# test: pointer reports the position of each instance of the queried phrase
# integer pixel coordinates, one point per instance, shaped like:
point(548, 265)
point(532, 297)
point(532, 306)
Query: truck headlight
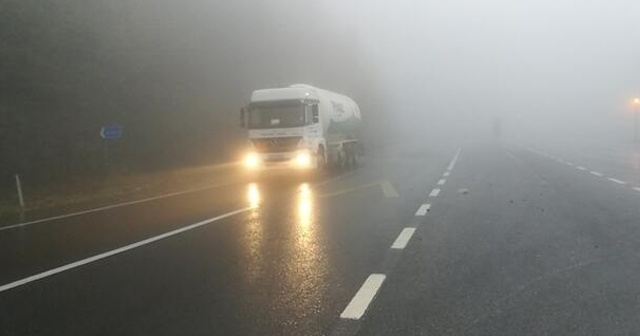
point(303, 159)
point(251, 160)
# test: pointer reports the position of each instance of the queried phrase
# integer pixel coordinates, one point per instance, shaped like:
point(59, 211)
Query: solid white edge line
point(113, 206)
point(422, 211)
point(144, 200)
point(107, 254)
point(614, 180)
point(363, 298)
point(403, 238)
point(435, 192)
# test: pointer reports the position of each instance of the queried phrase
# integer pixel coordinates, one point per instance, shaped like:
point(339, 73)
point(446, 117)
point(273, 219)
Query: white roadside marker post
point(20, 197)
point(19, 188)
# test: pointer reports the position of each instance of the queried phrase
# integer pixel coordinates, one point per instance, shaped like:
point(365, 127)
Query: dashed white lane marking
point(446, 174)
point(117, 251)
point(442, 182)
point(455, 159)
point(334, 179)
point(388, 190)
point(616, 180)
point(360, 302)
point(594, 173)
point(422, 211)
point(354, 189)
point(403, 238)
point(365, 295)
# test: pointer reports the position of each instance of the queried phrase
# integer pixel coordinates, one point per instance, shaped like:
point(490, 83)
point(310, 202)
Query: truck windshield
point(276, 116)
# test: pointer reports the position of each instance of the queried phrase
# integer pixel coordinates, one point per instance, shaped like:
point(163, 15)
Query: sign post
point(109, 133)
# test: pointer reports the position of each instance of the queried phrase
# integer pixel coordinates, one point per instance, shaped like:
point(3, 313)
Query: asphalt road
point(426, 240)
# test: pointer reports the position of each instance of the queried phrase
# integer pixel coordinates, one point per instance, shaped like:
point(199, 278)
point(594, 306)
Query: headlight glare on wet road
point(252, 160)
point(303, 159)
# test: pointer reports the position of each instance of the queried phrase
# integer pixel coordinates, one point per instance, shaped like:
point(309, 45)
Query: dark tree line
point(172, 73)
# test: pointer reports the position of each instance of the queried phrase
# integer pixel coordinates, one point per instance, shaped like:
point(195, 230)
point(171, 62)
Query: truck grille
point(276, 145)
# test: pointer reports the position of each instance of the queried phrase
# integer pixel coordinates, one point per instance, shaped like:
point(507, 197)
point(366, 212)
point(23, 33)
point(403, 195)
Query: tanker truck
point(301, 127)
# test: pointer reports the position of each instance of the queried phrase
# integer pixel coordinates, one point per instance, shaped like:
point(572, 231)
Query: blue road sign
point(111, 132)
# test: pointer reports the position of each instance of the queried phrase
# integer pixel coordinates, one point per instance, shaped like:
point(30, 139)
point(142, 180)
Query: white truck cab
point(300, 127)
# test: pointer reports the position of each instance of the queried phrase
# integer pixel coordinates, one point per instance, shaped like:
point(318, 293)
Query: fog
point(176, 73)
point(544, 67)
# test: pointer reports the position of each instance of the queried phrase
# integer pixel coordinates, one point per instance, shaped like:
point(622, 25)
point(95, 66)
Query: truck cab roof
point(295, 92)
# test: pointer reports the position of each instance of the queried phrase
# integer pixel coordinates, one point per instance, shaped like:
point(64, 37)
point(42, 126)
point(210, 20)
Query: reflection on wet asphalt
point(523, 243)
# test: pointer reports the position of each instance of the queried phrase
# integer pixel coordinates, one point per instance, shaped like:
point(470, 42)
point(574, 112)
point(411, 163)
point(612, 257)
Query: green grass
point(79, 194)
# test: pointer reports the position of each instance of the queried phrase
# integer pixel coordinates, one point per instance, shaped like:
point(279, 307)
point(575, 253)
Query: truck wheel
point(341, 160)
point(354, 160)
point(321, 159)
point(351, 157)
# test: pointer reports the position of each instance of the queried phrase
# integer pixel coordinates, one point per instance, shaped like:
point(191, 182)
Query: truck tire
point(351, 156)
point(354, 159)
point(321, 159)
point(341, 160)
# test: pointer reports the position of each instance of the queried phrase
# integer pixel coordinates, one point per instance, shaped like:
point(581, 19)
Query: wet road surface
point(489, 239)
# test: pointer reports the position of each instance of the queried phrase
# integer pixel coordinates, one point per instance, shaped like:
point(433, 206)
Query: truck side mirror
point(243, 112)
point(314, 114)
